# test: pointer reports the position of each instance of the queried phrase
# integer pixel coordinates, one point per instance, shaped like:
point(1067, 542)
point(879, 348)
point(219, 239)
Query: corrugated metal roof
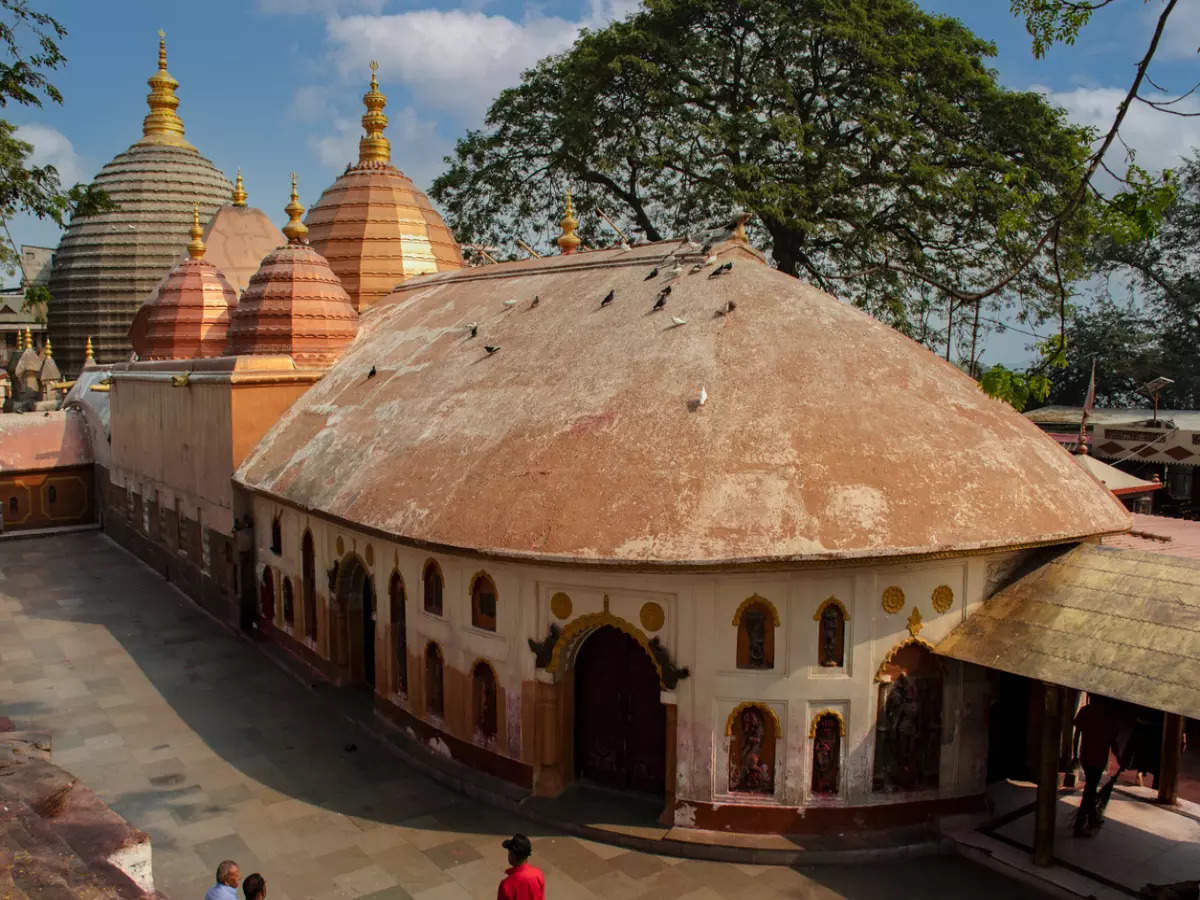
point(1122, 623)
point(1185, 419)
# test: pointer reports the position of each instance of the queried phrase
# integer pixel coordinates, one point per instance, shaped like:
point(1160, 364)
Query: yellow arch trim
point(486, 662)
point(907, 642)
point(746, 704)
point(750, 601)
point(828, 602)
point(482, 573)
point(812, 727)
point(586, 624)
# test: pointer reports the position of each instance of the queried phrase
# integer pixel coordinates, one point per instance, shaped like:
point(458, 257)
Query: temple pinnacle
point(374, 147)
point(162, 124)
point(239, 191)
point(89, 355)
point(196, 247)
point(568, 241)
point(295, 230)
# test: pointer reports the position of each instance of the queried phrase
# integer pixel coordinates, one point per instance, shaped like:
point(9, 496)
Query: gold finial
point(46, 348)
point(239, 191)
point(162, 124)
point(196, 247)
point(28, 339)
point(295, 230)
point(88, 355)
point(374, 148)
point(568, 241)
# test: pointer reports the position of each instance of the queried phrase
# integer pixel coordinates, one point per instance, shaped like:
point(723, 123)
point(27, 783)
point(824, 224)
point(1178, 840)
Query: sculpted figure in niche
point(832, 638)
point(908, 735)
point(752, 768)
point(756, 632)
point(827, 749)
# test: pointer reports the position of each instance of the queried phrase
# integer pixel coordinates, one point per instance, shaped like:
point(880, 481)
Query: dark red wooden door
point(620, 723)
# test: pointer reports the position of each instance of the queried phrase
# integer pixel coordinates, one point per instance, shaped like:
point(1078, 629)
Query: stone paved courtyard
point(202, 742)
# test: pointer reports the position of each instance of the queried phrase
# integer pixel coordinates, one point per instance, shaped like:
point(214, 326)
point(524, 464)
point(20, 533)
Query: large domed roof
point(107, 264)
point(825, 435)
point(294, 304)
point(373, 224)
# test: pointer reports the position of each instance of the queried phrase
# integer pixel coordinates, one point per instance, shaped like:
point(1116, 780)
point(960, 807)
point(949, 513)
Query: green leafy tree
point(874, 147)
point(23, 187)
point(1123, 343)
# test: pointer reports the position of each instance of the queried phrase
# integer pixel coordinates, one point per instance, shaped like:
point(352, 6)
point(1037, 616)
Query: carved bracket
point(671, 674)
point(543, 650)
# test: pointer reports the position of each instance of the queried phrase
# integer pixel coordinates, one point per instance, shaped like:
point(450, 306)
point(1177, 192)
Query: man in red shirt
point(521, 880)
point(1096, 728)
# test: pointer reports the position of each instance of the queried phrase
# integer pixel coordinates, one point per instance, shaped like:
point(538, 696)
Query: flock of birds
point(673, 272)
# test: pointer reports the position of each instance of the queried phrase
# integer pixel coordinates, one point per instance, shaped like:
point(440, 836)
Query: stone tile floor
point(195, 737)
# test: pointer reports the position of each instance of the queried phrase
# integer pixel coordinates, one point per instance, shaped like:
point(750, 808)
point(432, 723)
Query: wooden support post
point(1172, 746)
point(1047, 791)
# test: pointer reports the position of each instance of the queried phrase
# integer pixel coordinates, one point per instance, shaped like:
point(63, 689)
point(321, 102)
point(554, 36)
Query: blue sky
point(276, 85)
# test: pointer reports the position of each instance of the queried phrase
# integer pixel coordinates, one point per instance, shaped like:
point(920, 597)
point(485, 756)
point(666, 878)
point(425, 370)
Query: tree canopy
point(23, 187)
point(872, 144)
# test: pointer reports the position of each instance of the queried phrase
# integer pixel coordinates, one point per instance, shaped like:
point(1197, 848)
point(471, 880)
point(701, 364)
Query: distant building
point(1140, 442)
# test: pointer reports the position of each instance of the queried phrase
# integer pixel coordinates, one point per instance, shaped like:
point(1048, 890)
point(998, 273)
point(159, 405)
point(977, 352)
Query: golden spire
point(162, 124)
point(46, 349)
point(196, 247)
point(88, 355)
point(28, 339)
point(295, 230)
point(374, 148)
point(239, 191)
point(568, 241)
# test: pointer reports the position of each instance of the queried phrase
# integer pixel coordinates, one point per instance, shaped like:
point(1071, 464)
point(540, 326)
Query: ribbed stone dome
point(106, 265)
point(295, 304)
point(373, 225)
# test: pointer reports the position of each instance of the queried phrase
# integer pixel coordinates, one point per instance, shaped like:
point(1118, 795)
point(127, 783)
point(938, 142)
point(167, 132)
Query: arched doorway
point(356, 632)
point(620, 722)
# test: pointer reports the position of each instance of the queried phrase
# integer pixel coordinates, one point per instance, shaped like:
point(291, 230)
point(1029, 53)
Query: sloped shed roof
point(1122, 623)
point(826, 434)
point(33, 442)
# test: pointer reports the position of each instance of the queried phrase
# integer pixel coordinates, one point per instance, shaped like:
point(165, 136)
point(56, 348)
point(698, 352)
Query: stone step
point(37, 864)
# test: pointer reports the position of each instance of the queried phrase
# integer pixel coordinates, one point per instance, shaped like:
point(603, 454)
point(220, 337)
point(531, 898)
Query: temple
point(635, 516)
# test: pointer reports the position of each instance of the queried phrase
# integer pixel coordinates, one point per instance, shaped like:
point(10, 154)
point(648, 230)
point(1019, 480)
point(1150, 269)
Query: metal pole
point(1172, 746)
point(1047, 790)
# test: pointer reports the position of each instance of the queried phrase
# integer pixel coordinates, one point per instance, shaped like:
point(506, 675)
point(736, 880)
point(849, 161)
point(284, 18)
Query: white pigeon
point(711, 259)
point(511, 303)
point(703, 396)
point(471, 326)
point(624, 246)
point(676, 270)
point(678, 321)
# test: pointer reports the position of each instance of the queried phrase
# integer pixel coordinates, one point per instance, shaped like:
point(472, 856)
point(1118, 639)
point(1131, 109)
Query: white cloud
point(1181, 37)
point(457, 61)
point(52, 147)
point(1160, 140)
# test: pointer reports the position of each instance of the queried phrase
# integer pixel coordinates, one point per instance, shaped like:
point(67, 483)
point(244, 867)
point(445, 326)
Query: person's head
point(518, 848)
point(229, 873)
point(255, 887)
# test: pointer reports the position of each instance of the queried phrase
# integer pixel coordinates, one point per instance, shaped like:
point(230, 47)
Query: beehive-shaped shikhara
point(295, 304)
point(187, 316)
point(107, 264)
point(373, 225)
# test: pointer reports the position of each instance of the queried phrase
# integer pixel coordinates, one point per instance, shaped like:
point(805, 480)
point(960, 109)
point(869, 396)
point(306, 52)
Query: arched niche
point(908, 729)
point(433, 587)
point(756, 619)
point(827, 731)
point(308, 580)
point(753, 729)
point(396, 607)
point(484, 601)
point(831, 618)
point(484, 702)
point(435, 687)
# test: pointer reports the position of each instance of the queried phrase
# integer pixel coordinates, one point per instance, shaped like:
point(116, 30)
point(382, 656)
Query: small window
point(826, 734)
point(434, 697)
point(53, 494)
point(483, 689)
point(399, 635)
point(433, 588)
point(267, 596)
point(289, 603)
point(483, 602)
point(276, 537)
point(752, 751)
point(1179, 482)
point(308, 567)
point(756, 622)
point(831, 634)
